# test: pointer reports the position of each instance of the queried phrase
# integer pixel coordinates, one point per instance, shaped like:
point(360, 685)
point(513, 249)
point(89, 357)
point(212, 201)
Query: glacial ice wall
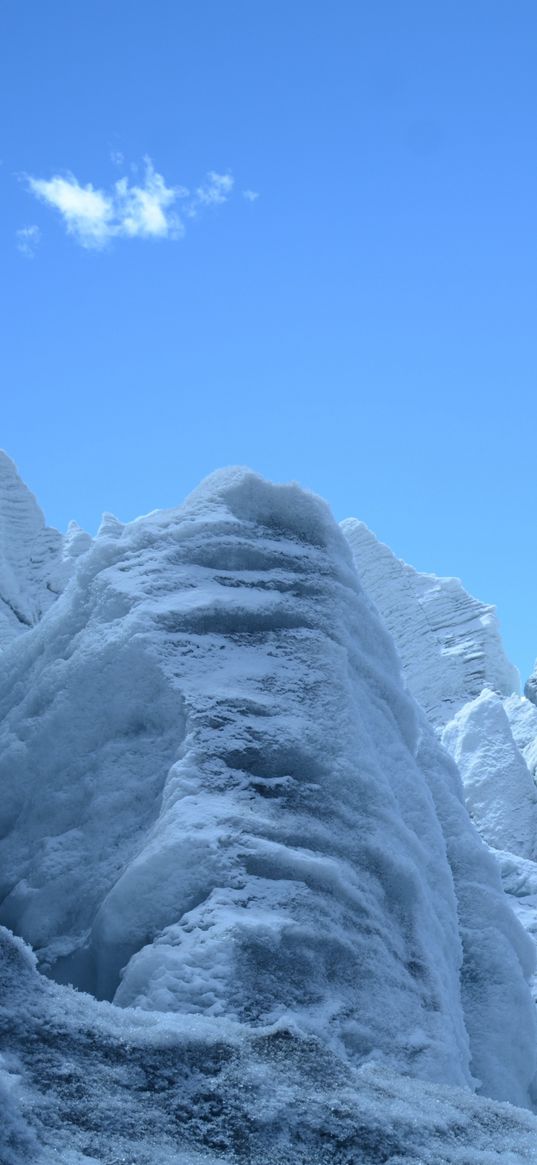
point(220, 801)
point(449, 643)
point(35, 561)
point(499, 788)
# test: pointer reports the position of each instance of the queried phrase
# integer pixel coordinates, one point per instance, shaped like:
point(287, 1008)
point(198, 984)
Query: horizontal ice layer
point(448, 642)
point(35, 561)
point(219, 801)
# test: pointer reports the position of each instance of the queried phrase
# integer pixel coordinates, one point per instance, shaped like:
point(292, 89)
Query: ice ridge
point(220, 801)
point(448, 642)
point(35, 560)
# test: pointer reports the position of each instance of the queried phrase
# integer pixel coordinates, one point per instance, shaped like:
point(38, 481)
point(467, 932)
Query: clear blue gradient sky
point(365, 326)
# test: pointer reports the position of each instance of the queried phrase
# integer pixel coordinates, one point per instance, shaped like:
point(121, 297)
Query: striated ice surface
point(35, 561)
point(220, 801)
point(449, 643)
point(224, 818)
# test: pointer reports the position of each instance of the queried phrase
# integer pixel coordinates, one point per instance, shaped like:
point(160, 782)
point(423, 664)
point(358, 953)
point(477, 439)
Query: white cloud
point(217, 189)
point(145, 211)
point(132, 207)
point(28, 239)
point(87, 213)
point(250, 195)
point(117, 158)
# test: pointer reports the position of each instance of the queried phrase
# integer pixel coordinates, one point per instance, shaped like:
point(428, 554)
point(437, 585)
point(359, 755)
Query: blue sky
point(365, 324)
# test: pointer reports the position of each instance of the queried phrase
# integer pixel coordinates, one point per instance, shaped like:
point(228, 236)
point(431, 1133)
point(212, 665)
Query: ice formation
point(35, 561)
point(85, 1083)
point(522, 716)
point(225, 818)
point(500, 791)
point(449, 643)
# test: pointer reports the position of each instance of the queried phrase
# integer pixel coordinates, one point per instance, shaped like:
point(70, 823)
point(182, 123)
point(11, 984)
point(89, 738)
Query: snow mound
point(35, 561)
point(220, 803)
point(448, 642)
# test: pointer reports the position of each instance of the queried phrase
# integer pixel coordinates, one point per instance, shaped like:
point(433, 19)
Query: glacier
point(449, 643)
point(35, 561)
point(246, 916)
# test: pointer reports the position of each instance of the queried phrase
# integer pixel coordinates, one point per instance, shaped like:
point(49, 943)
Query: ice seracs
point(225, 817)
point(500, 792)
point(221, 801)
point(35, 561)
point(448, 642)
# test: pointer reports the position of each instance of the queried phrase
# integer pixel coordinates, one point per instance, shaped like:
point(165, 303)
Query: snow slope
point(448, 642)
point(35, 561)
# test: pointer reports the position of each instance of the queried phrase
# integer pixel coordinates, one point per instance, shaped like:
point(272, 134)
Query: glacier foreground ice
point(224, 817)
point(86, 1083)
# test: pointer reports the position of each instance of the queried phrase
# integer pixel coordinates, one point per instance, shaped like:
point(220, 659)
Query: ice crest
point(226, 818)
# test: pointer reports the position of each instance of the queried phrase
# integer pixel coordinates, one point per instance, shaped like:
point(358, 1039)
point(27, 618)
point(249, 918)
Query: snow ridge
point(35, 561)
point(449, 643)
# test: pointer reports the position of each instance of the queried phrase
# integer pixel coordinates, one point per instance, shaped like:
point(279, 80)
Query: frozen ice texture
point(92, 1084)
point(224, 817)
point(449, 643)
point(500, 791)
point(35, 561)
point(221, 801)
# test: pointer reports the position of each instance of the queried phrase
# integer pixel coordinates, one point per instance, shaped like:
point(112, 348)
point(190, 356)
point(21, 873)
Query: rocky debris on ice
point(448, 642)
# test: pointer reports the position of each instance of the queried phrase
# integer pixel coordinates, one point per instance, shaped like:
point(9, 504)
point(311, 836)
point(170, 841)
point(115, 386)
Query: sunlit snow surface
point(221, 809)
point(35, 561)
point(449, 643)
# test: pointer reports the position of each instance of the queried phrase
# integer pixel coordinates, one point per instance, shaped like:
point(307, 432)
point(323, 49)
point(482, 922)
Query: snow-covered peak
point(35, 560)
point(448, 642)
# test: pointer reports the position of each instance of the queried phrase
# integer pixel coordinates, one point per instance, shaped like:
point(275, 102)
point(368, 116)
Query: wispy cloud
point(215, 190)
point(145, 209)
point(250, 195)
point(28, 239)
